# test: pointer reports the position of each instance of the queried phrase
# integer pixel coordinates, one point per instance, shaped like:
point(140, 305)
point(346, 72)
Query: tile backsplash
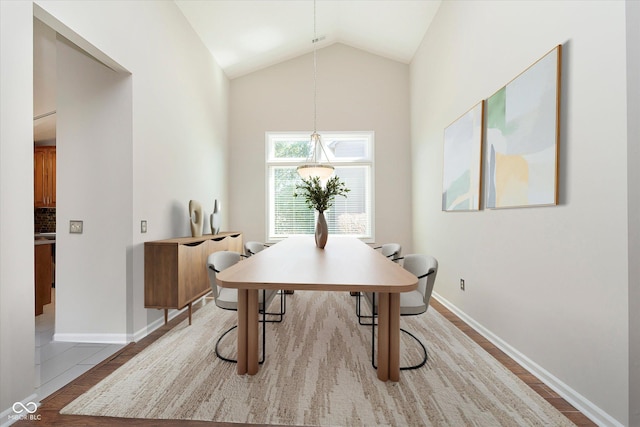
point(44, 220)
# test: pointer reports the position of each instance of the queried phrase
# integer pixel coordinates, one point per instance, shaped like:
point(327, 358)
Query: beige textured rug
point(318, 372)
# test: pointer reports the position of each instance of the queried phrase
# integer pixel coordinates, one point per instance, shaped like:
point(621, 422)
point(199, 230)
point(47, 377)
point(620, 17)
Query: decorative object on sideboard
point(321, 197)
point(195, 218)
point(214, 219)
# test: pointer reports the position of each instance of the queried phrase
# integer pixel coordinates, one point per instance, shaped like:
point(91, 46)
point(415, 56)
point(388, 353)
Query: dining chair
point(425, 268)
point(252, 248)
point(227, 298)
point(389, 250)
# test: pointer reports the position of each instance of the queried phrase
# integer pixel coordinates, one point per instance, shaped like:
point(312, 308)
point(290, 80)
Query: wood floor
point(49, 411)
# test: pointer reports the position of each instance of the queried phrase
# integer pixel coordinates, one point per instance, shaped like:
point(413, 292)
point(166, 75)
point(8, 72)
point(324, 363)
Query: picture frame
point(462, 153)
point(522, 135)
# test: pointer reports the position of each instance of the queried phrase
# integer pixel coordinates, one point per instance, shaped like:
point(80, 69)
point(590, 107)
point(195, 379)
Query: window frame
point(270, 162)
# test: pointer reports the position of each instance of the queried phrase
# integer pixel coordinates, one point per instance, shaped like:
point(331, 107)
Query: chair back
point(252, 248)
point(425, 267)
point(216, 262)
point(391, 251)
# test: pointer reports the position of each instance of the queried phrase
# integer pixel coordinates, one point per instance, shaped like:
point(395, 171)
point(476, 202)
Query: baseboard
point(143, 332)
point(119, 338)
point(93, 338)
point(158, 323)
point(593, 412)
point(9, 416)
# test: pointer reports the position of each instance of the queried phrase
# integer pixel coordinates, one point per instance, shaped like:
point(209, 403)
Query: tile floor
point(59, 363)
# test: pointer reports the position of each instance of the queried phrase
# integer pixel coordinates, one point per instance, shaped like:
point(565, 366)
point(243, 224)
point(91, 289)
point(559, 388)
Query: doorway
point(92, 132)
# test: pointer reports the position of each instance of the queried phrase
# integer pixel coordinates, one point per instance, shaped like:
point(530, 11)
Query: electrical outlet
point(143, 226)
point(462, 284)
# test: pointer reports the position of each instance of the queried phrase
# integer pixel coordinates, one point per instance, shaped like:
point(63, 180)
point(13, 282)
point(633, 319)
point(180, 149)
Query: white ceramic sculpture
point(214, 219)
point(195, 218)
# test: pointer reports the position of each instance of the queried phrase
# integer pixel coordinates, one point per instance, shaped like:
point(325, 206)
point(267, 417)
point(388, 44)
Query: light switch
point(143, 226)
point(75, 226)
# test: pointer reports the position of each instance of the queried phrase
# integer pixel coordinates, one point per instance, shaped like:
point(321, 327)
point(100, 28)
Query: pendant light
point(313, 166)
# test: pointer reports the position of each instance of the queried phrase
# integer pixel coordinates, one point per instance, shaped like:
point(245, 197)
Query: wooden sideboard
point(175, 270)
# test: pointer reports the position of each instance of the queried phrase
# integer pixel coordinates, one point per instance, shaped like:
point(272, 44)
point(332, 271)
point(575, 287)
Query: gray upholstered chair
point(391, 251)
point(425, 268)
point(227, 298)
point(252, 248)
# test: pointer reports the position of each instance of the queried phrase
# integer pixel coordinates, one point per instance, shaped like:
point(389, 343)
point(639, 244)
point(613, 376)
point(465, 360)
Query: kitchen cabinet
point(175, 270)
point(44, 176)
point(43, 263)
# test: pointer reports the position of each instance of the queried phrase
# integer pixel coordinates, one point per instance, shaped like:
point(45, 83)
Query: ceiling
point(245, 36)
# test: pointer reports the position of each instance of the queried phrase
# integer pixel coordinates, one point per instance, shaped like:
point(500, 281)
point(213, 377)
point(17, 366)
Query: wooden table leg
point(252, 332)
point(394, 337)
point(383, 336)
point(243, 296)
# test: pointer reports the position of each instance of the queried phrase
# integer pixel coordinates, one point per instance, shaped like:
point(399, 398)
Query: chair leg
point(424, 350)
point(373, 345)
point(359, 311)
point(283, 309)
point(264, 337)
point(226, 359)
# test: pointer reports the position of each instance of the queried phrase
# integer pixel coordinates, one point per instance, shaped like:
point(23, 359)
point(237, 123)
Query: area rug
point(317, 372)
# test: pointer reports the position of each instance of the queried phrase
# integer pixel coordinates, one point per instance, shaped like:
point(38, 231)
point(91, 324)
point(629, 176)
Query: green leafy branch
point(320, 197)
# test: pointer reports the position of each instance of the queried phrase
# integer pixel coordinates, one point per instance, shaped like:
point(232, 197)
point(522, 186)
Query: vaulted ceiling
point(245, 36)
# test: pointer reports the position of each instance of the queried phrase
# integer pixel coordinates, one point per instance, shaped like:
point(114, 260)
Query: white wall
point(179, 119)
point(44, 65)
point(94, 184)
point(549, 284)
point(17, 321)
point(179, 134)
point(633, 142)
point(357, 91)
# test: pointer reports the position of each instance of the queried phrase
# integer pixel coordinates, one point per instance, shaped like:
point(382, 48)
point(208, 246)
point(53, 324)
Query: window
point(351, 154)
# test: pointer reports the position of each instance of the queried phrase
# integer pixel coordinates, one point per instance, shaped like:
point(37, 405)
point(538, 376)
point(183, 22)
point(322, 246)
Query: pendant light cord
point(315, 157)
point(315, 72)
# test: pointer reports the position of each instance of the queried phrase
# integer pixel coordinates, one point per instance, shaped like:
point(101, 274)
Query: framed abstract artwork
point(522, 138)
point(463, 161)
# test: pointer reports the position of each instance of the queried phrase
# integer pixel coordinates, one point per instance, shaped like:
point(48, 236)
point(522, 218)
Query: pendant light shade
point(323, 172)
point(313, 166)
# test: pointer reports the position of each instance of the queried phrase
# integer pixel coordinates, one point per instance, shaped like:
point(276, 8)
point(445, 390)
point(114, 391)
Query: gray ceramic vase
point(322, 231)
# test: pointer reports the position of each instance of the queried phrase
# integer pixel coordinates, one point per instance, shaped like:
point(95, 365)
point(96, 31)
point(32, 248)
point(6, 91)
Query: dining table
point(297, 264)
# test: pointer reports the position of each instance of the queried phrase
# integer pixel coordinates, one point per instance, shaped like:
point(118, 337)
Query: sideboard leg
point(166, 315)
point(189, 314)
